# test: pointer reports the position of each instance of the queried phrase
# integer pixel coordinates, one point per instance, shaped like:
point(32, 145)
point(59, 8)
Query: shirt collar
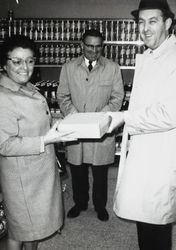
point(87, 62)
point(168, 42)
point(100, 61)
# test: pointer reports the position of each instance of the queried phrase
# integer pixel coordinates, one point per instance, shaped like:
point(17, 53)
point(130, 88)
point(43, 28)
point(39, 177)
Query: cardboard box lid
point(85, 125)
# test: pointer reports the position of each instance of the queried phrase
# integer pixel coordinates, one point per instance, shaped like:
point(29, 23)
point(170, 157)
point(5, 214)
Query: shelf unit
point(59, 40)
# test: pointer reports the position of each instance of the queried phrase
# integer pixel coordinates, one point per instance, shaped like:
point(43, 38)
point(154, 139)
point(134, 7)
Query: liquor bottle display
point(3, 222)
point(48, 89)
point(58, 40)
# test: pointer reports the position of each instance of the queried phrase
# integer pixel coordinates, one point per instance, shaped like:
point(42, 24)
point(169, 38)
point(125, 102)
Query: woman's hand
point(53, 135)
point(117, 120)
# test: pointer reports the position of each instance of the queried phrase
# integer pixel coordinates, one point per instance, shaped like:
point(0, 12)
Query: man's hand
point(117, 120)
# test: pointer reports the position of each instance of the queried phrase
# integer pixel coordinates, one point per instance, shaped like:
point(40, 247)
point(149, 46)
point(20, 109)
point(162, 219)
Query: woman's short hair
point(13, 42)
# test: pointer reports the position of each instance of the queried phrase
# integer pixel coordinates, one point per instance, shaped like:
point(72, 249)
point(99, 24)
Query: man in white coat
point(146, 185)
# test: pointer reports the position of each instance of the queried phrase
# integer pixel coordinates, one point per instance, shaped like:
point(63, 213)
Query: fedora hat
point(154, 4)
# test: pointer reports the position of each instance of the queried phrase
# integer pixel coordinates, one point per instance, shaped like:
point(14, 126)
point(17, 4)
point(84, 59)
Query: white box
point(85, 125)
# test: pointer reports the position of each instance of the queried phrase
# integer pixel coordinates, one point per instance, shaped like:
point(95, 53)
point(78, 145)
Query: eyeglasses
point(18, 62)
point(90, 46)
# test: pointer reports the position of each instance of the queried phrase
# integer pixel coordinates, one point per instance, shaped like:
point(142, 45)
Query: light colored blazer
point(29, 179)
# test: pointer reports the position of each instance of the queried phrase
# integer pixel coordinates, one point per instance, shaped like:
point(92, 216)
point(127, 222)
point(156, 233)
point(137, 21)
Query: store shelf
point(60, 66)
point(138, 42)
point(48, 66)
point(58, 41)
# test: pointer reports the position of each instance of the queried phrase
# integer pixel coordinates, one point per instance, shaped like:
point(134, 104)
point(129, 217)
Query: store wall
point(71, 8)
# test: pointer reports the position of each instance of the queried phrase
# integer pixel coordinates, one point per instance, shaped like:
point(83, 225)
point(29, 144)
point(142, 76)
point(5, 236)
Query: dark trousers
point(80, 185)
point(154, 237)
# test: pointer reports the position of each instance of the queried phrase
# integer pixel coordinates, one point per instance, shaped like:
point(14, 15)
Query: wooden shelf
point(60, 66)
point(138, 43)
point(57, 41)
point(48, 66)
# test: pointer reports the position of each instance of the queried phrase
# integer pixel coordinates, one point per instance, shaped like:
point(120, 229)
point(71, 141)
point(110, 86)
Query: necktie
point(90, 67)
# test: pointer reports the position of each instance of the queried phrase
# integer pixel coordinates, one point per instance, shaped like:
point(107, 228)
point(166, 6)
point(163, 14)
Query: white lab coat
point(146, 185)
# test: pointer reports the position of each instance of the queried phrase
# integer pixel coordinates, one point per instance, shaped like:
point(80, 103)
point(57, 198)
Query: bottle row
point(48, 89)
point(70, 29)
point(66, 30)
point(124, 55)
point(58, 54)
point(3, 222)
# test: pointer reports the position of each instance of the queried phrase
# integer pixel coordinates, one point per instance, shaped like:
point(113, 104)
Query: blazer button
point(47, 112)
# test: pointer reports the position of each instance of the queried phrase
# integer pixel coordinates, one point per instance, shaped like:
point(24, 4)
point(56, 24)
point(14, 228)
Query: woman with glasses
point(29, 177)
